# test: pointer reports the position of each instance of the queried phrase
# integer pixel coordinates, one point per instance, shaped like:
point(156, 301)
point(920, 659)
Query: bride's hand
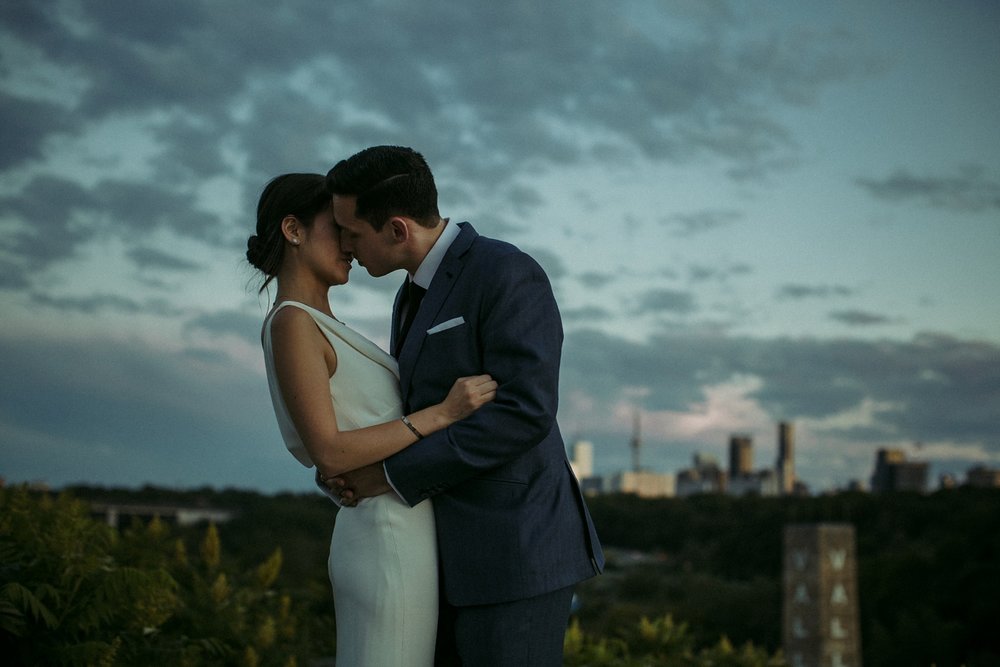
point(366, 482)
point(467, 395)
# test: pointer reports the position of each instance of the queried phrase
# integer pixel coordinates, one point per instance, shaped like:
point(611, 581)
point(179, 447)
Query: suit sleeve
point(520, 337)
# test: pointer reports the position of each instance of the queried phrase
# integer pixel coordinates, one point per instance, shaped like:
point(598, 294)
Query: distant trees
point(929, 569)
point(76, 592)
point(254, 591)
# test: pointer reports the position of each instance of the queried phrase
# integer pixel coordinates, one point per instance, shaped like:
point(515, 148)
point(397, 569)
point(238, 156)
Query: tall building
point(758, 483)
point(740, 455)
point(643, 483)
point(635, 444)
point(983, 477)
point(894, 473)
point(786, 458)
point(820, 612)
point(705, 476)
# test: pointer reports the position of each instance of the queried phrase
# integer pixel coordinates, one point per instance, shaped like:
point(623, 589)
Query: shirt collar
point(428, 267)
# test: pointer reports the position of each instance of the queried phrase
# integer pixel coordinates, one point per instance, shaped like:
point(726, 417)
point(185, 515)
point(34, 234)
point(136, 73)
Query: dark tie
point(409, 304)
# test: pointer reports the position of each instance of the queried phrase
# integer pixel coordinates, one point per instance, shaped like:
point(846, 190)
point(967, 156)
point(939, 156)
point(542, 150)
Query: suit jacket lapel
point(441, 286)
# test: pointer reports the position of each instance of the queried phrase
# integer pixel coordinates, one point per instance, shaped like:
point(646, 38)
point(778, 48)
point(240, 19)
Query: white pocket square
point(448, 324)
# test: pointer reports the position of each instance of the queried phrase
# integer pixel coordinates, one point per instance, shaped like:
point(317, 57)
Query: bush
point(76, 592)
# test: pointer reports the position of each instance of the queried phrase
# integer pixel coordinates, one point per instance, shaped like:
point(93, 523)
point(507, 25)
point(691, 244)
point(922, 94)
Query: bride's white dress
point(383, 554)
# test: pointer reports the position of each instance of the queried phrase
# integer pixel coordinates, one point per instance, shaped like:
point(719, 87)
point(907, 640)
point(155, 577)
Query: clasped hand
point(356, 485)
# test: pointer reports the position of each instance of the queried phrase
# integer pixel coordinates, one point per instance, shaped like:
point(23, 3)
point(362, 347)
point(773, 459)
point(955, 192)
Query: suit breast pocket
point(451, 346)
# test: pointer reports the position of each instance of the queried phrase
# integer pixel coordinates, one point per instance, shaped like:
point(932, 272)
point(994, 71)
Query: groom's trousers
point(521, 633)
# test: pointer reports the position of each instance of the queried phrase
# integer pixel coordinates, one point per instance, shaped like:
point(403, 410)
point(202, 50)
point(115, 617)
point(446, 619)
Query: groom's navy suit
point(511, 520)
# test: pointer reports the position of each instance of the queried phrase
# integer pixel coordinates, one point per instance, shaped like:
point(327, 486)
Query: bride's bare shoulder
point(291, 321)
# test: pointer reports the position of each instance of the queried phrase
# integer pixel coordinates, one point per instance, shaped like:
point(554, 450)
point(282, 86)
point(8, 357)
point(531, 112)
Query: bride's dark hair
point(301, 195)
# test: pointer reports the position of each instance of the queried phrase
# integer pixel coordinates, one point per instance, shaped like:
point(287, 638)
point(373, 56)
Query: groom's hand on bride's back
point(356, 485)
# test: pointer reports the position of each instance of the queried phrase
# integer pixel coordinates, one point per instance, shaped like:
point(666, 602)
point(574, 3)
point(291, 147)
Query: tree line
point(693, 581)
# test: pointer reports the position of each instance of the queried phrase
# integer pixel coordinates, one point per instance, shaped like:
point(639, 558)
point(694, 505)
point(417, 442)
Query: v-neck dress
point(383, 553)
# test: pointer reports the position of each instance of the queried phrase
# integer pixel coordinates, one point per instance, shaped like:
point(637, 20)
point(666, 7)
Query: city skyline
point(892, 469)
point(750, 213)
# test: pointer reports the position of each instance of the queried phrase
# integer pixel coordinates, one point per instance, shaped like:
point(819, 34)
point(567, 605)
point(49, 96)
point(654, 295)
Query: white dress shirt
point(425, 274)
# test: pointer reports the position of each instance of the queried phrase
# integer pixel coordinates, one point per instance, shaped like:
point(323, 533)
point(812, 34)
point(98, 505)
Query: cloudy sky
point(750, 212)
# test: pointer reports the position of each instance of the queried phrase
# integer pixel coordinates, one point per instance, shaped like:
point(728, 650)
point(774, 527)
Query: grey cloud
point(700, 273)
point(586, 314)
point(478, 74)
point(550, 262)
point(945, 388)
point(498, 92)
point(595, 279)
point(225, 323)
point(90, 304)
point(152, 258)
point(600, 365)
point(942, 388)
point(129, 412)
point(658, 301)
point(45, 210)
point(860, 318)
point(144, 207)
point(25, 125)
point(690, 224)
point(54, 216)
point(969, 190)
point(800, 291)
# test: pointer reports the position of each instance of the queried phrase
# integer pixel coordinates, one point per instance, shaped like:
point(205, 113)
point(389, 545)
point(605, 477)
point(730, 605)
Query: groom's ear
point(399, 228)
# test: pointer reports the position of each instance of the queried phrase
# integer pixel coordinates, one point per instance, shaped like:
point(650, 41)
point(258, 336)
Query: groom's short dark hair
point(388, 181)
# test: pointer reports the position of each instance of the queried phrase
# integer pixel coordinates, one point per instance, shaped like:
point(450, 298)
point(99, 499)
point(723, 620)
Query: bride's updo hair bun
point(303, 196)
point(255, 252)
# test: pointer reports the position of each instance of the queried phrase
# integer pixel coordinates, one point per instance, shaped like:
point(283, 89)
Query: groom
point(514, 533)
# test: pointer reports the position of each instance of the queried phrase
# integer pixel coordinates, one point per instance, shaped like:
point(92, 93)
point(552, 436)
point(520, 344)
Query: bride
point(336, 397)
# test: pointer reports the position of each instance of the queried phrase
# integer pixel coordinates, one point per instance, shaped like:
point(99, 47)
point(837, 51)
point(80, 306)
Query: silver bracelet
point(412, 428)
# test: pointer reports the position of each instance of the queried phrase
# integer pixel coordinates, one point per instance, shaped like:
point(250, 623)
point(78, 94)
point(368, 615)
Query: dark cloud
point(689, 224)
point(971, 189)
point(659, 301)
point(26, 123)
point(939, 388)
point(146, 207)
point(221, 91)
point(701, 273)
point(861, 318)
point(228, 323)
point(112, 410)
point(48, 228)
point(476, 93)
point(98, 303)
point(153, 258)
point(800, 291)
point(53, 217)
point(594, 279)
point(119, 412)
point(588, 314)
point(550, 262)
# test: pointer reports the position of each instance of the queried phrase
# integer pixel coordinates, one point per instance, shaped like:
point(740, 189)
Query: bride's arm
point(304, 361)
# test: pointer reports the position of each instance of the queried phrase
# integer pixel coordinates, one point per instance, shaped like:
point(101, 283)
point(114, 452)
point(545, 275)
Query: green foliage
point(929, 575)
point(64, 598)
point(660, 641)
point(76, 592)
point(929, 569)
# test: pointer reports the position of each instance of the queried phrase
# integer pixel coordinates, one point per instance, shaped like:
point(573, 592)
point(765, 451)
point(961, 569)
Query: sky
point(750, 212)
